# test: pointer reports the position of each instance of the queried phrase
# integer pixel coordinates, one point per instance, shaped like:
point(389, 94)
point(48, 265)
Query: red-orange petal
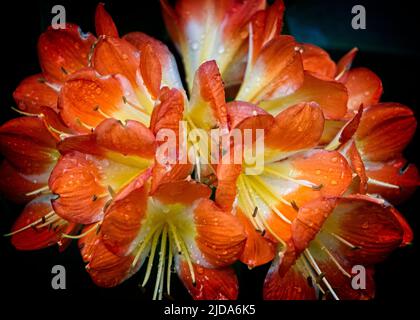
point(369, 225)
point(384, 131)
point(244, 115)
point(76, 181)
point(116, 56)
point(309, 222)
point(364, 88)
point(289, 285)
point(266, 24)
point(220, 235)
point(317, 61)
point(185, 192)
point(63, 52)
point(104, 24)
point(123, 220)
point(210, 284)
point(170, 74)
point(276, 70)
point(356, 163)
point(87, 99)
point(35, 238)
point(106, 269)
point(329, 170)
point(257, 250)
point(296, 128)
point(396, 172)
point(33, 93)
point(330, 95)
point(227, 174)
point(131, 138)
point(151, 70)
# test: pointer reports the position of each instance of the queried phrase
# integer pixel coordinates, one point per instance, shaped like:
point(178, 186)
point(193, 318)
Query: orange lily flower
point(195, 235)
point(293, 175)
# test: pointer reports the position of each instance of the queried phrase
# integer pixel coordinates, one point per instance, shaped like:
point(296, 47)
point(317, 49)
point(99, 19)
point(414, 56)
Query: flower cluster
point(86, 156)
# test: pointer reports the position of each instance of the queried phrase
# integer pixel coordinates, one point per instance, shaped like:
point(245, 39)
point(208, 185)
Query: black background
point(388, 47)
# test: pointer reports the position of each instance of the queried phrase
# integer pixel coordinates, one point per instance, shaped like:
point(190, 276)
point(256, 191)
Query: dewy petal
point(210, 284)
point(185, 192)
point(129, 139)
point(243, 115)
point(330, 95)
point(309, 222)
point(116, 56)
point(33, 93)
point(384, 131)
point(257, 250)
point(297, 128)
point(364, 88)
point(104, 24)
point(28, 146)
point(64, 51)
point(151, 70)
point(76, 179)
point(207, 107)
point(123, 220)
point(408, 234)
point(328, 170)
point(395, 172)
point(220, 236)
point(169, 112)
point(227, 175)
point(107, 269)
point(276, 72)
point(356, 163)
point(368, 224)
point(167, 116)
point(287, 279)
point(95, 166)
point(265, 25)
point(170, 74)
point(317, 61)
point(87, 99)
point(36, 238)
point(191, 25)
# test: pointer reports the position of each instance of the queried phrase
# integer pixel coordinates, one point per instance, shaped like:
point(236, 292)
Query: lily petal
point(63, 52)
point(33, 93)
point(384, 131)
point(104, 24)
point(87, 99)
point(210, 284)
point(318, 61)
point(207, 107)
point(330, 95)
point(364, 88)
